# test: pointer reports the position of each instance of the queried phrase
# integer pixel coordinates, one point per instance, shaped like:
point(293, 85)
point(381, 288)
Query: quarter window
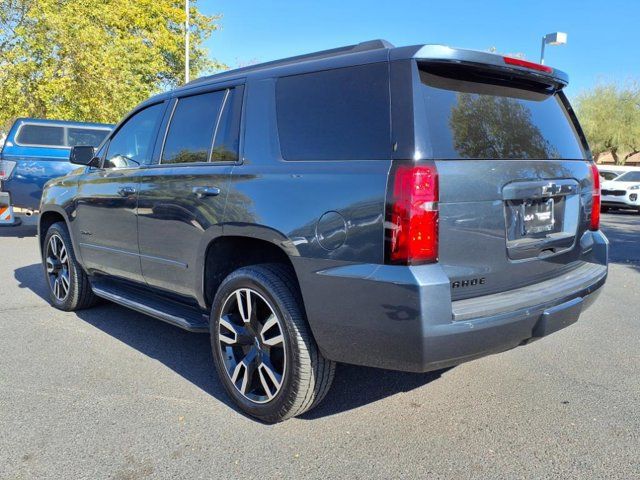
point(192, 128)
point(340, 114)
point(226, 143)
point(132, 144)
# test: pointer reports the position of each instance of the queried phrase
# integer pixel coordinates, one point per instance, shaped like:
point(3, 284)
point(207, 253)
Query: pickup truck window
point(41, 135)
point(192, 127)
point(85, 136)
point(54, 135)
point(131, 146)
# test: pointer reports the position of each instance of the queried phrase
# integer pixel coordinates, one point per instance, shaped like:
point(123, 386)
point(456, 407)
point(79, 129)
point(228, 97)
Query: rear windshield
point(54, 136)
point(480, 120)
point(629, 177)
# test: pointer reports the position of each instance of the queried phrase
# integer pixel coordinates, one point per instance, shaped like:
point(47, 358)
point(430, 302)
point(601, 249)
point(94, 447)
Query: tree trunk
point(616, 159)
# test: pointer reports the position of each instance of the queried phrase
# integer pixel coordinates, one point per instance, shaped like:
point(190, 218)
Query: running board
point(168, 311)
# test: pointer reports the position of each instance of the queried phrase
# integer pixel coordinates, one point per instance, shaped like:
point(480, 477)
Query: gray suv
point(405, 208)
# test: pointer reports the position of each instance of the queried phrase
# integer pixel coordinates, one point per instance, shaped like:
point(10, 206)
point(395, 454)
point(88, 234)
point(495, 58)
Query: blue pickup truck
point(36, 151)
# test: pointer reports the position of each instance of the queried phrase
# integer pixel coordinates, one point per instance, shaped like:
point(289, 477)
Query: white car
point(607, 174)
point(622, 192)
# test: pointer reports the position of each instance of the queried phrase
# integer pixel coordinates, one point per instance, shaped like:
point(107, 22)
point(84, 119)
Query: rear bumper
point(7, 218)
point(403, 318)
point(28, 179)
point(23, 194)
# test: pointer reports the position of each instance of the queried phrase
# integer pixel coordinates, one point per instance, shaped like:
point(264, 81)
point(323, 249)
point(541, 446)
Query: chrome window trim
point(64, 134)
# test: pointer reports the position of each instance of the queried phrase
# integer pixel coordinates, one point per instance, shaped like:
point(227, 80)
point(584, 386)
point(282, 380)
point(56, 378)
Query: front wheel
point(68, 284)
point(262, 346)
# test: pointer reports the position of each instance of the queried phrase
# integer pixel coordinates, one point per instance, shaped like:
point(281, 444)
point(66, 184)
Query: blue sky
point(603, 37)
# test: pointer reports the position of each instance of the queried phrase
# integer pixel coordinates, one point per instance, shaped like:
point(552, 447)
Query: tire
point(74, 290)
point(272, 372)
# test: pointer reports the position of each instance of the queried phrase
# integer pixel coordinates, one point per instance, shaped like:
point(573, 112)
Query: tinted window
point(85, 136)
point(495, 121)
point(629, 177)
point(48, 135)
point(226, 143)
point(193, 123)
point(335, 114)
point(608, 175)
point(132, 145)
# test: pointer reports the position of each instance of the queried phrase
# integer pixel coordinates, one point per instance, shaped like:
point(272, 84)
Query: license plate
point(538, 216)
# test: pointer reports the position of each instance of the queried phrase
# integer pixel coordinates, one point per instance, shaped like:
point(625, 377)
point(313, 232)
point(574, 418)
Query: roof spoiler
point(492, 61)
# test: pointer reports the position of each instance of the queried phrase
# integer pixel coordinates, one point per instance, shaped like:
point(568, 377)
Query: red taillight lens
point(412, 215)
point(6, 169)
point(595, 203)
point(518, 62)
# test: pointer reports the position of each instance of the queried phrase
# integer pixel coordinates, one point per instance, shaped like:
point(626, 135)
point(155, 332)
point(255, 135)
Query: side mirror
point(84, 155)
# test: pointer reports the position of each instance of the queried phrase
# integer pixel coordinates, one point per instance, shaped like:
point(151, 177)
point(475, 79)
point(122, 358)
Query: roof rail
point(359, 47)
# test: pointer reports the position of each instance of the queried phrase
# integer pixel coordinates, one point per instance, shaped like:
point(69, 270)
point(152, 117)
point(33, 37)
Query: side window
point(132, 144)
point(46, 135)
point(85, 136)
point(340, 114)
point(226, 143)
point(192, 128)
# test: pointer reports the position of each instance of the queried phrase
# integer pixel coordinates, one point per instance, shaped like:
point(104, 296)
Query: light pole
point(556, 38)
point(186, 42)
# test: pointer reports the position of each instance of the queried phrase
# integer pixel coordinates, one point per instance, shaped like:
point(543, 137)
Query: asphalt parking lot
point(110, 393)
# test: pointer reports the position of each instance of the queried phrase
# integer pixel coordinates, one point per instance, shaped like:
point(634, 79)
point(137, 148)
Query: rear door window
point(192, 128)
point(339, 114)
point(484, 120)
point(41, 135)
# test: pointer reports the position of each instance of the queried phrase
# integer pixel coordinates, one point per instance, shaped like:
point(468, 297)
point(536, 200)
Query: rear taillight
point(518, 62)
point(6, 169)
point(594, 224)
point(412, 215)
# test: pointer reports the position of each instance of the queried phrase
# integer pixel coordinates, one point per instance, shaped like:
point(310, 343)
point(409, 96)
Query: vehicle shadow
point(189, 355)
point(356, 386)
point(19, 231)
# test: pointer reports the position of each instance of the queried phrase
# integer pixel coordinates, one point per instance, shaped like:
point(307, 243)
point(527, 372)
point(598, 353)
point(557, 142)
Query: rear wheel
point(68, 284)
point(263, 349)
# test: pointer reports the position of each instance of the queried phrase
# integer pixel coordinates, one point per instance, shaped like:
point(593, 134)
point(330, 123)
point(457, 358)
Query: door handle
point(126, 191)
point(202, 192)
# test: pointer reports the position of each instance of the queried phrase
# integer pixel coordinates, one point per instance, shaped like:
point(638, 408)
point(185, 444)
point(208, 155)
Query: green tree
point(610, 117)
point(94, 60)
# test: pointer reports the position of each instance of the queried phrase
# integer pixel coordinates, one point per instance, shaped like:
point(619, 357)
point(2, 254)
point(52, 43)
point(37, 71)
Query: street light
point(556, 38)
point(186, 42)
